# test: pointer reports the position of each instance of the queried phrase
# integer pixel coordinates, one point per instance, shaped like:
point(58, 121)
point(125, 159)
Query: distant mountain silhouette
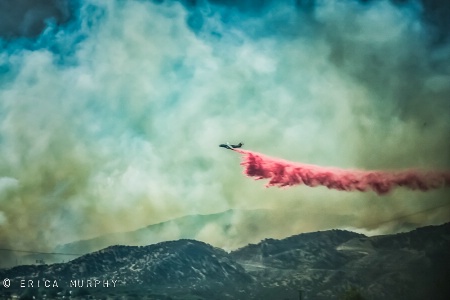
point(186, 227)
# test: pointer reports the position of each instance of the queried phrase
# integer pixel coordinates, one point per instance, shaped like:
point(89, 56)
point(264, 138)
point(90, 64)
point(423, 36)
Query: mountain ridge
point(322, 265)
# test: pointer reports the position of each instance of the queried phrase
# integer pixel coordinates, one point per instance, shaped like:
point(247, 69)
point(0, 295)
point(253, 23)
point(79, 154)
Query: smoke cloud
point(20, 18)
point(284, 173)
point(111, 113)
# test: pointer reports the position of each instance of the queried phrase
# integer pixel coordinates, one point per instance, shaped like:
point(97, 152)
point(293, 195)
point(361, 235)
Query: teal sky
point(111, 120)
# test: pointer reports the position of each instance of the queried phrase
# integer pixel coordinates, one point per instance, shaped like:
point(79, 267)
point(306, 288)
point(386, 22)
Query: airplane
point(231, 147)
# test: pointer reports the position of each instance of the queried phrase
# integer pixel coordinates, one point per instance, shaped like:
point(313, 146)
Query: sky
point(111, 113)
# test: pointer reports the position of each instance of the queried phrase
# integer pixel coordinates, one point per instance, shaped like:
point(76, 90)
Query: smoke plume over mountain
point(111, 113)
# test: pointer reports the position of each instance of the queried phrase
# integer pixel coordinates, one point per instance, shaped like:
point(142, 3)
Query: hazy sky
point(111, 113)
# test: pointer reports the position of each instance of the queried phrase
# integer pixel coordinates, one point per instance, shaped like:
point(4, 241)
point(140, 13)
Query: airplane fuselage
point(231, 147)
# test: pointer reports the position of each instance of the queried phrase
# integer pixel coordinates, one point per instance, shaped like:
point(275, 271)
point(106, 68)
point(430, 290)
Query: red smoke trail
point(284, 173)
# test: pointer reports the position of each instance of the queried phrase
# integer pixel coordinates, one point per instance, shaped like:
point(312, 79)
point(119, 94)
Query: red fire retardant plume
point(283, 173)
